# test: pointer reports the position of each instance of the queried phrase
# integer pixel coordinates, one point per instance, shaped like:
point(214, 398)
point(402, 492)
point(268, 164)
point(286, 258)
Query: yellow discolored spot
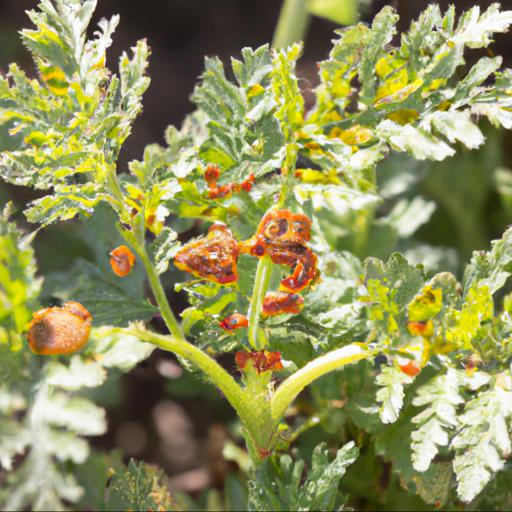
point(435, 84)
point(354, 136)
point(425, 305)
point(55, 79)
point(404, 116)
point(445, 105)
point(255, 90)
point(395, 92)
point(383, 68)
point(313, 146)
point(36, 138)
point(318, 177)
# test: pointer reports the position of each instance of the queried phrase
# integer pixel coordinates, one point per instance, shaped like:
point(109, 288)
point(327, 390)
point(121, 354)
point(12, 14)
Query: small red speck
point(411, 368)
point(234, 321)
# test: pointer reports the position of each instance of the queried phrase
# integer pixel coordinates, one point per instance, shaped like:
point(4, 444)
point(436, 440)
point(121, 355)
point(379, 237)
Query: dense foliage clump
point(297, 276)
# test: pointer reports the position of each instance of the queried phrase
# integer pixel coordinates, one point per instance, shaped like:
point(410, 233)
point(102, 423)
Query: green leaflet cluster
point(19, 288)
point(257, 124)
point(64, 132)
point(409, 94)
point(67, 127)
point(469, 415)
point(43, 418)
point(278, 484)
point(464, 408)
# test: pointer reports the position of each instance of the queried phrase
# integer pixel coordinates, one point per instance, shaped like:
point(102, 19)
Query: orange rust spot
point(59, 330)
point(411, 368)
point(234, 321)
point(261, 361)
point(263, 453)
point(211, 174)
point(215, 191)
point(122, 261)
point(279, 303)
point(213, 257)
point(421, 328)
point(283, 236)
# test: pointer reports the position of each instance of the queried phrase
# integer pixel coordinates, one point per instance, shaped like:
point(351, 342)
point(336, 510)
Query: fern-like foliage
point(464, 410)
point(483, 440)
point(138, 487)
point(70, 123)
point(278, 484)
point(43, 418)
point(444, 378)
point(441, 396)
point(390, 396)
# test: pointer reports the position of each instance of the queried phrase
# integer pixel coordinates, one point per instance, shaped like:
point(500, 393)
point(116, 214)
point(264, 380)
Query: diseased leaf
point(244, 135)
point(382, 31)
point(73, 121)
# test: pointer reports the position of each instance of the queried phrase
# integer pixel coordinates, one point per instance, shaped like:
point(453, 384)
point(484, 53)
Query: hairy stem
point(160, 296)
point(293, 385)
point(258, 294)
point(220, 377)
point(292, 23)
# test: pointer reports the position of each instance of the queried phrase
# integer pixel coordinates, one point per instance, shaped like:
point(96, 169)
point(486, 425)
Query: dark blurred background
point(158, 412)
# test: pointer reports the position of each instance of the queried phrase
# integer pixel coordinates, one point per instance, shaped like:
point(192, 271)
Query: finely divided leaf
point(278, 482)
point(483, 440)
point(390, 396)
point(438, 420)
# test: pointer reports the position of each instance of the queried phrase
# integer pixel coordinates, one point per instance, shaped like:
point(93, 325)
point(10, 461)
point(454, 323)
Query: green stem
point(293, 385)
point(261, 281)
point(160, 296)
point(139, 245)
point(292, 23)
point(251, 405)
point(220, 377)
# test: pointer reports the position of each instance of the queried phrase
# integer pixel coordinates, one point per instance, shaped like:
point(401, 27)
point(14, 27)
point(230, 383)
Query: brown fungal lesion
point(122, 260)
point(59, 330)
point(213, 257)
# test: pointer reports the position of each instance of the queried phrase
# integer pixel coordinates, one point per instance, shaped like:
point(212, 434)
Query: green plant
point(248, 157)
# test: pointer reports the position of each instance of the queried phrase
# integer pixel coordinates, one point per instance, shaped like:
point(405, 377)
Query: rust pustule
point(59, 330)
